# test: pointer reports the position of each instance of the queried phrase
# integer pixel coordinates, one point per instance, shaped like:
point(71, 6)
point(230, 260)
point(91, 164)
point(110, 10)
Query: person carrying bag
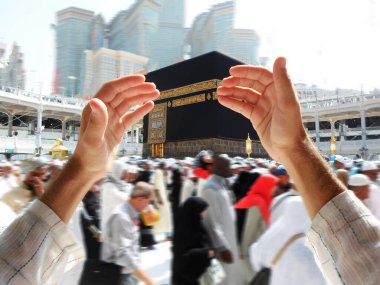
point(263, 276)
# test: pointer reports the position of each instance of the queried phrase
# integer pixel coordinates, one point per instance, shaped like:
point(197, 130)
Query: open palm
point(269, 101)
point(106, 118)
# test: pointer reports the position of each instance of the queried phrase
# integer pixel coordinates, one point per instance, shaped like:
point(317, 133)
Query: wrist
point(86, 169)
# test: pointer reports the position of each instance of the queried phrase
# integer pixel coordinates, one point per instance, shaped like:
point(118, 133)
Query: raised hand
point(104, 122)
point(106, 118)
point(269, 101)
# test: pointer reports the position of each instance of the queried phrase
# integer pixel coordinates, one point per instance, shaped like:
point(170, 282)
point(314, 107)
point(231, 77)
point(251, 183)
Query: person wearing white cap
point(359, 184)
point(113, 192)
point(338, 162)
point(164, 225)
point(369, 168)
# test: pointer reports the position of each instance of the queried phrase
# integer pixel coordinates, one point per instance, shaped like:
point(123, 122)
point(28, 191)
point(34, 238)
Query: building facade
point(148, 28)
point(77, 30)
point(12, 73)
point(107, 64)
point(214, 31)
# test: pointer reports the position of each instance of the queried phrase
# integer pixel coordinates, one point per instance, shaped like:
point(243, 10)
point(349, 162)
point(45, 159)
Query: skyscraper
point(76, 31)
point(168, 43)
point(214, 31)
point(151, 28)
point(132, 30)
point(12, 73)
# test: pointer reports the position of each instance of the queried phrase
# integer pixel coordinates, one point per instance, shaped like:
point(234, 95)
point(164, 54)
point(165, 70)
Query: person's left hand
point(107, 117)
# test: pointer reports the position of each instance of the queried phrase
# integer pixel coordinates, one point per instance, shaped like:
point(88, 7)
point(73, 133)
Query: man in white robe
point(220, 220)
point(164, 225)
point(297, 265)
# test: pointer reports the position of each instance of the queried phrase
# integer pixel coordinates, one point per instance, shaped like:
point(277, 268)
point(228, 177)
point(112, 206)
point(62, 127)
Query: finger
point(144, 88)
point(110, 89)
point(133, 117)
point(283, 85)
point(263, 75)
point(246, 94)
point(238, 106)
point(142, 71)
point(243, 82)
point(136, 100)
point(97, 122)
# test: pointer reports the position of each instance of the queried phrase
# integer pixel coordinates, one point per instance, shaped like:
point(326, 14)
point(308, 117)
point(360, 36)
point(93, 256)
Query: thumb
point(283, 84)
point(97, 122)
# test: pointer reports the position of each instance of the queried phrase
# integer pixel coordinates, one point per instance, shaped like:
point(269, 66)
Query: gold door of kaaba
point(158, 150)
point(157, 129)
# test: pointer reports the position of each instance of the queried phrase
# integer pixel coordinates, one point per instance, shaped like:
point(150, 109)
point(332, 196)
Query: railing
point(335, 101)
point(54, 98)
point(28, 145)
point(352, 147)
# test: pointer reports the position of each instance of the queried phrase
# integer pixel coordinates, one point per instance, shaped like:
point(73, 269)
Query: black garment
point(93, 269)
point(191, 243)
point(175, 192)
point(240, 188)
point(90, 220)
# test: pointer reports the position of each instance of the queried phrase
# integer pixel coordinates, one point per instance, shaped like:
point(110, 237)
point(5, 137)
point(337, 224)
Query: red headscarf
point(201, 173)
point(260, 194)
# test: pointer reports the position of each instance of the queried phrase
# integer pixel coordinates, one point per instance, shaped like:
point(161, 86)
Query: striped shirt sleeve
point(346, 239)
point(37, 248)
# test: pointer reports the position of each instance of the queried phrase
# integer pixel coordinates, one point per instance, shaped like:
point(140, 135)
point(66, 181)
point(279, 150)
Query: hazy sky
point(331, 43)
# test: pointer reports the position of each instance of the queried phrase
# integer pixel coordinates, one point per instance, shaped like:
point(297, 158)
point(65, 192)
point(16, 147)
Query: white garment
point(17, 198)
point(297, 265)
point(111, 197)
point(7, 216)
point(187, 190)
point(373, 201)
point(220, 222)
point(38, 248)
point(278, 205)
point(164, 225)
point(4, 186)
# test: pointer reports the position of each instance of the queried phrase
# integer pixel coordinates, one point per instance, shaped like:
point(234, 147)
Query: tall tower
point(214, 31)
point(151, 28)
point(73, 36)
point(132, 30)
point(169, 39)
point(14, 73)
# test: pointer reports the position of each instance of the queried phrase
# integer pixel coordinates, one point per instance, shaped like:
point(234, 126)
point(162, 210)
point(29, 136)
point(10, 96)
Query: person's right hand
point(107, 117)
point(269, 101)
point(226, 256)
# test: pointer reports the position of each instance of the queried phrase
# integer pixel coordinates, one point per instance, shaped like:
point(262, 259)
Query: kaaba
point(187, 116)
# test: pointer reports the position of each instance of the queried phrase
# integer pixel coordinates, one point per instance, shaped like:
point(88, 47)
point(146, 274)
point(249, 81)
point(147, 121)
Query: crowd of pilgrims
point(240, 211)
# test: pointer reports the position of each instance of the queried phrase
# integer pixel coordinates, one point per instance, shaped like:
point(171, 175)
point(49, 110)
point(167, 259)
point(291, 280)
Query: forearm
point(68, 189)
point(312, 176)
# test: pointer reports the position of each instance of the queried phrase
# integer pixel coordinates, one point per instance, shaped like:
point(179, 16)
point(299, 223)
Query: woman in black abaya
point(192, 249)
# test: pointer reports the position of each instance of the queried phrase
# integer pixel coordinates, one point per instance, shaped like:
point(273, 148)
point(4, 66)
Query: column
point(31, 127)
point(363, 127)
point(39, 130)
point(333, 139)
point(10, 124)
point(64, 129)
point(342, 130)
point(317, 137)
point(137, 134)
point(71, 131)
